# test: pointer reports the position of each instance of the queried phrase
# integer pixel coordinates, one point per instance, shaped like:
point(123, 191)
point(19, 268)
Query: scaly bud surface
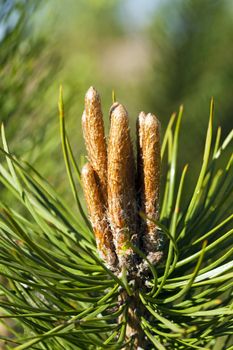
point(121, 185)
point(98, 218)
point(149, 161)
point(93, 131)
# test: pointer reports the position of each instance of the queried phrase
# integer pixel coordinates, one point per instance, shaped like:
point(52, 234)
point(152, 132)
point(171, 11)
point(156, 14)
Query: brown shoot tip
point(91, 94)
point(142, 115)
point(151, 120)
point(118, 111)
point(140, 124)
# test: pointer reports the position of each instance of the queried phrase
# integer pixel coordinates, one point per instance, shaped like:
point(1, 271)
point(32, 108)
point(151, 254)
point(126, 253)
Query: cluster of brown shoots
point(116, 190)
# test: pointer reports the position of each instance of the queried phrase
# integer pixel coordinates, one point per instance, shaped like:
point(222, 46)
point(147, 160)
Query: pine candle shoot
point(131, 188)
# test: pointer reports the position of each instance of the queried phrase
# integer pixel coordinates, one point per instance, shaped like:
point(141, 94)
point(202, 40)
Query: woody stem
point(134, 331)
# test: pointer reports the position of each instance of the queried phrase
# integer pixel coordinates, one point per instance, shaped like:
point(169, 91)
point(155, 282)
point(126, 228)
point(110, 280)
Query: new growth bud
point(121, 184)
point(112, 189)
point(149, 182)
point(97, 215)
point(93, 131)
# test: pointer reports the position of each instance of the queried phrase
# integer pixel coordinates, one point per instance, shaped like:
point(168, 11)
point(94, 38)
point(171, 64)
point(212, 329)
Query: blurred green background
point(154, 54)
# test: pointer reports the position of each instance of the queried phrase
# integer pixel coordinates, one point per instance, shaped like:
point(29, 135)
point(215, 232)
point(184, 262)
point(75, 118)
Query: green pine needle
point(55, 291)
